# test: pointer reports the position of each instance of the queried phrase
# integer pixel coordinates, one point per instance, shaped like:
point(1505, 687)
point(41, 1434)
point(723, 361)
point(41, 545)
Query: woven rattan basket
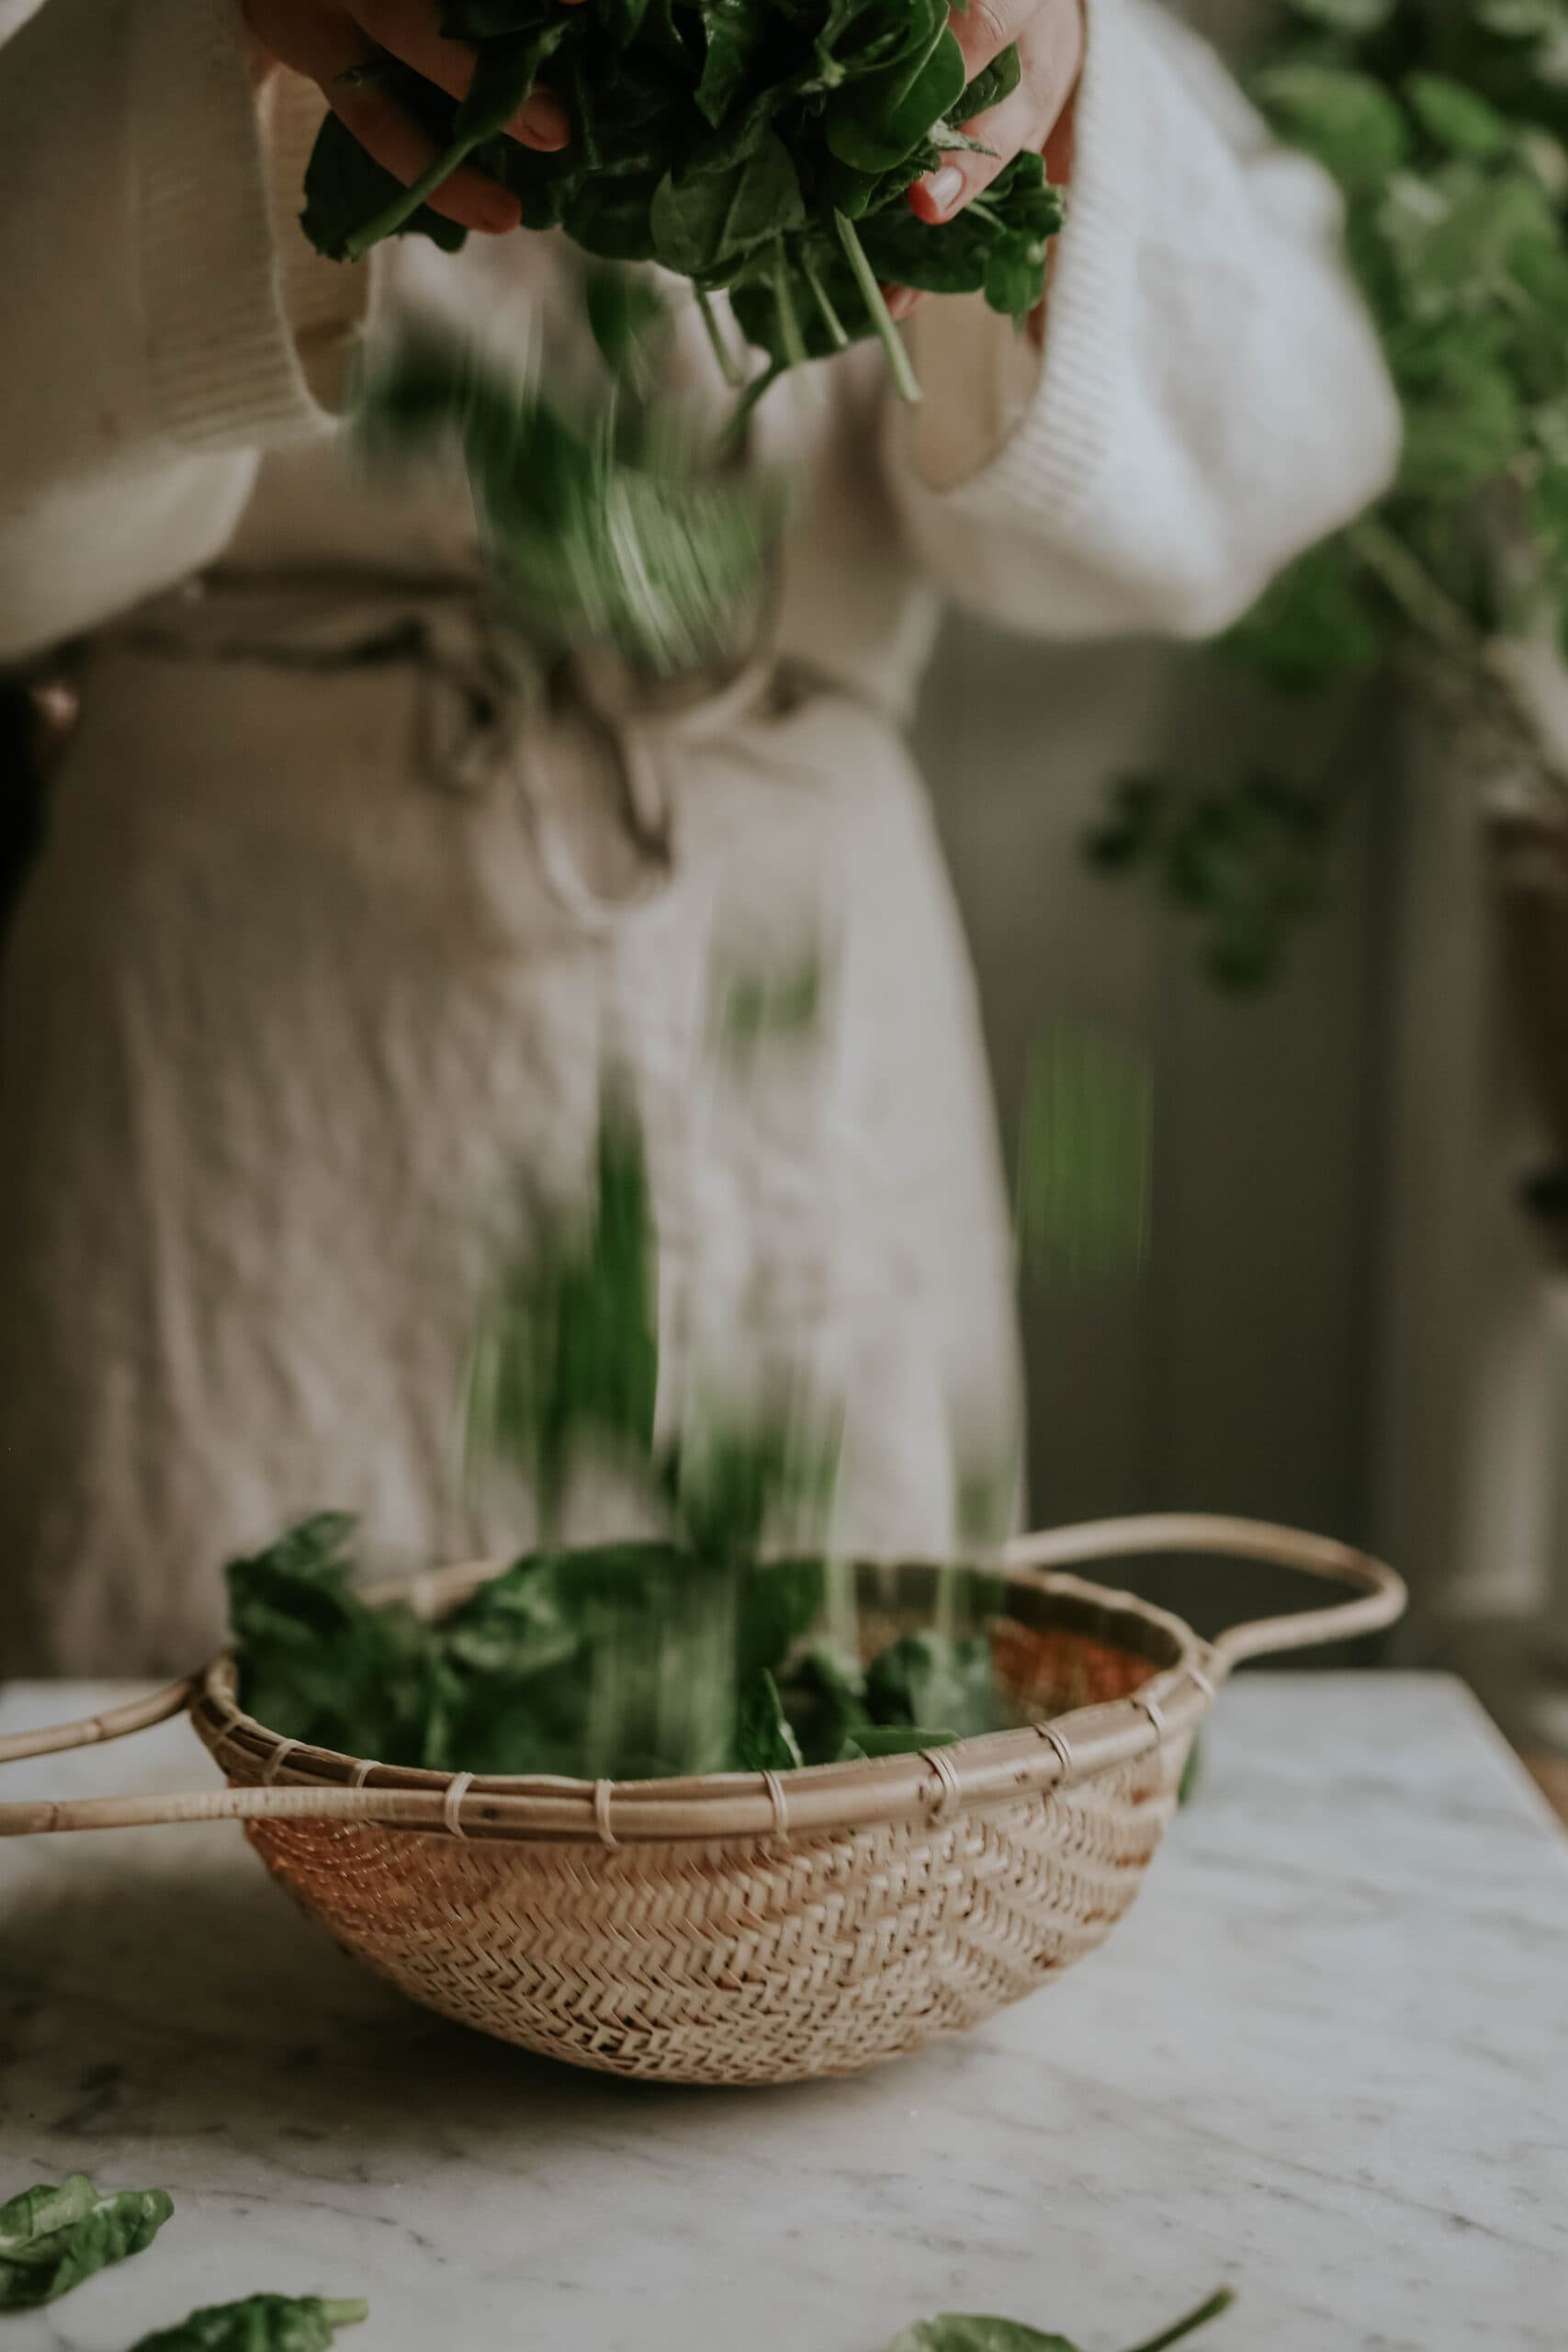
point(754, 1927)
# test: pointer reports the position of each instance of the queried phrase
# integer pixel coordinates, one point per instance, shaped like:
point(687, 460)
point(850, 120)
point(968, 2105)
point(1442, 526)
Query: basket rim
point(929, 1787)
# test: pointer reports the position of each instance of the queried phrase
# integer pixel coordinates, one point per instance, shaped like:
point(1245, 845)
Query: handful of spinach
point(760, 147)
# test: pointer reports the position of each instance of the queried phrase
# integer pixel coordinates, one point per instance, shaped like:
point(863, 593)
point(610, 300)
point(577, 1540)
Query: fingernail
point(901, 302)
point(542, 123)
point(944, 187)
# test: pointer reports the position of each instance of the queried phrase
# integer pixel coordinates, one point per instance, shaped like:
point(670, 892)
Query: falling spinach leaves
point(53, 2237)
point(607, 522)
point(695, 1651)
point(259, 2323)
point(1083, 1159)
point(566, 1351)
point(764, 148)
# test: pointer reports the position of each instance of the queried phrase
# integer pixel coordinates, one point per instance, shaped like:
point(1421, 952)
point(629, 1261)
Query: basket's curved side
point(762, 1960)
point(770, 1959)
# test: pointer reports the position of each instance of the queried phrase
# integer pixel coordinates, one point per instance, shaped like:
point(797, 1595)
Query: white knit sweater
point(297, 994)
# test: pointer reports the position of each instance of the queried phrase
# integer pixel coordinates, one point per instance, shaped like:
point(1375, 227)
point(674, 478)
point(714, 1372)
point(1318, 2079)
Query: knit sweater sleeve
point(161, 335)
point(1210, 398)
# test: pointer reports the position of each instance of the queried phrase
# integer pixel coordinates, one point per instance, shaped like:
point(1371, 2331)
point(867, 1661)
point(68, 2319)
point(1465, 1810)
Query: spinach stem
point(1221, 2300)
point(721, 350)
point(789, 318)
point(740, 416)
point(819, 295)
point(888, 335)
point(393, 216)
point(344, 2314)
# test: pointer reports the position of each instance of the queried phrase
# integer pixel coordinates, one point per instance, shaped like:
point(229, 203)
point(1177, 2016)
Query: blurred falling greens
point(753, 1006)
point(1083, 1159)
point(565, 1350)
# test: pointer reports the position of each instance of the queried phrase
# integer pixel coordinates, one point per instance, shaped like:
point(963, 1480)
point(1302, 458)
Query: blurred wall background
point(1237, 1371)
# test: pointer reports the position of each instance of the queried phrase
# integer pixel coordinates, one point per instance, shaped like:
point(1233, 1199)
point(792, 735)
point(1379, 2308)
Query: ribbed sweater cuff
point(1051, 462)
point(233, 328)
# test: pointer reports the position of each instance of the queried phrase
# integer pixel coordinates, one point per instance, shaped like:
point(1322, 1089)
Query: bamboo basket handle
point(91, 1730)
point(1381, 1593)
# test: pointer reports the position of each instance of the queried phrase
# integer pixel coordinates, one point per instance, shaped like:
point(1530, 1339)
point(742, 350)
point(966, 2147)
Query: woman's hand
point(1037, 117)
point(325, 38)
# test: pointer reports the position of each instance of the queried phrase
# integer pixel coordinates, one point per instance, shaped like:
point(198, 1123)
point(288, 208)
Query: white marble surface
point(1325, 2058)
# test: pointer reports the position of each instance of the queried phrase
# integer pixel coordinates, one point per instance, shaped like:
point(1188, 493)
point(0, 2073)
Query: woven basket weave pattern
point(764, 1961)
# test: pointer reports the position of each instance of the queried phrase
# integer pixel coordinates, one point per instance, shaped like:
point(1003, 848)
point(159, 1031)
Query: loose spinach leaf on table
point(953, 2332)
point(53, 2237)
point(259, 2323)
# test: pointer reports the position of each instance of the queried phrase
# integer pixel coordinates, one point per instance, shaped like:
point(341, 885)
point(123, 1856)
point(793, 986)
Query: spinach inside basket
point(700, 1651)
point(626, 1661)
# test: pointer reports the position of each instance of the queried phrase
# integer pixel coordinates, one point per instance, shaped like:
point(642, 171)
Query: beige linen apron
point(340, 915)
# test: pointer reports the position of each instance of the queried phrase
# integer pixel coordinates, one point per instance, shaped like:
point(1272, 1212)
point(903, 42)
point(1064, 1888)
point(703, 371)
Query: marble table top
point(1325, 2058)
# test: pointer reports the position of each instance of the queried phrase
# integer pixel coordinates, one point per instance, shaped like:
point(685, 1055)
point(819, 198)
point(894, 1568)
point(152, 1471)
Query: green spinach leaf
point(955, 2334)
point(927, 1679)
point(705, 228)
point(764, 1741)
point(882, 119)
point(259, 2323)
point(51, 2238)
point(344, 186)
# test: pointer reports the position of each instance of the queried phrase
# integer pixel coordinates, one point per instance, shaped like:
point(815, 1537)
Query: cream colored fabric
point(298, 992)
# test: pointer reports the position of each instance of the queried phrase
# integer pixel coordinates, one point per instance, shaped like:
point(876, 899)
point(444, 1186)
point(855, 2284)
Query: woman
point(324, 947)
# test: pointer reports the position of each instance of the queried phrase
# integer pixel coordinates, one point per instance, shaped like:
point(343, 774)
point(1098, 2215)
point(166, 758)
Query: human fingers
point(984, 27)
point(329, 47)
point(1050, 49)
point(410, 30)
